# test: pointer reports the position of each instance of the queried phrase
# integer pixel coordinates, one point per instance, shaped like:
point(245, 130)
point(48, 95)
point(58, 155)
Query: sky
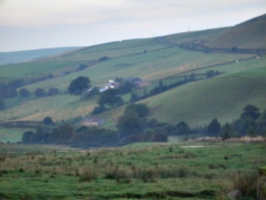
point(36, 24)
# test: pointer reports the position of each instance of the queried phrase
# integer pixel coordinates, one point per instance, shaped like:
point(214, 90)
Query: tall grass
point(246, 183)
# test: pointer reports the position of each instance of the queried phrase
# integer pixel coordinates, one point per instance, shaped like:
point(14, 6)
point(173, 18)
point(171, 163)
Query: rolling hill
point(241, 80)
point(23, 56)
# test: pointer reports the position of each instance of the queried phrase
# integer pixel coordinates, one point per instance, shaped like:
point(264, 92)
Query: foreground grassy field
point(151, 171)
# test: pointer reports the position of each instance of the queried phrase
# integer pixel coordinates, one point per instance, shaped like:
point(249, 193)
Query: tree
point(261, 122)
point(23, 92)
point(234, 49)
point(98, 109)
point(2, 104)
point(226, 132)
point(132, 120)
point(129, 123)
point(141, 109)
point(47, 121)
point(111, 98)
point(125, 87)
point(62, 134)
point(250, 111)
point(53, 91)
point(78, 85)
point(39, 92)
point(243, 124)
point(192, 77)
point(82, 67)
point(27, 137)
point(214, 127)
point(133, 97)
point(182, 128)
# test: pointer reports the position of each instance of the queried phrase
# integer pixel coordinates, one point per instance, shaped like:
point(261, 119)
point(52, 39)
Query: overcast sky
point(35, 24)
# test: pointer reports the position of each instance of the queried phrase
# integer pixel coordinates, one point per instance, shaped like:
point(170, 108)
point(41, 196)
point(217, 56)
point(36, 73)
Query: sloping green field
point(222, 97)
point(240, 82)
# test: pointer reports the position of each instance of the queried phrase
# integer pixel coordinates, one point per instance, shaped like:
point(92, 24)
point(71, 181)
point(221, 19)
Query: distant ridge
point(23, 56)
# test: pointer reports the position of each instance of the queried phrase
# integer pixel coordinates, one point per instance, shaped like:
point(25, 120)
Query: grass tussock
point(146, 174)
point(246, 183)
point(87, 175)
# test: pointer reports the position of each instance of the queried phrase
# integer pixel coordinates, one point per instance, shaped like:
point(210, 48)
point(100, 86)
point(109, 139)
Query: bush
point(104, 58)
point(23, 92)
point(47, 121)
point(39, 92)
point(53, 91)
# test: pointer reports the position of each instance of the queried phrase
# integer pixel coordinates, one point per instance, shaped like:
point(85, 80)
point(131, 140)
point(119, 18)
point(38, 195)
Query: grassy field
point(223, 97)
point(151, 66)
point(248, 35)
point(12, 135)
point(143, 171)
point(152, 59)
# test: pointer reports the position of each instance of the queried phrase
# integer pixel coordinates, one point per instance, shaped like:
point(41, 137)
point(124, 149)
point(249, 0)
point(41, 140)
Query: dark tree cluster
point(104, 58)
point(40, 92)
point(8, 90)
point(79, 85)
point(110, 98)
point(84, 137)
point(23, 92)
point(134, 127)
point(40, 78)
point(211, 73)
point(251, 123)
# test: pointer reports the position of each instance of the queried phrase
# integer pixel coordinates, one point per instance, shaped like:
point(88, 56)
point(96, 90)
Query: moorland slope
point(241, 77)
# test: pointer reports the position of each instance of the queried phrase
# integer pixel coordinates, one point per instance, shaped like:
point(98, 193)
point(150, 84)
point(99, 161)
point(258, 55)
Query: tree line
point(134, 126)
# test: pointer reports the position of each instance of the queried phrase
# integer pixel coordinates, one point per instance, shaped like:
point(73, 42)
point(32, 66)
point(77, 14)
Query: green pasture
point(11, 134)
point(245, 35)
point(195, 35)
point(195, 102)
point(159, 171)
point(223, 97)
point(149, 66)
point(60, 107)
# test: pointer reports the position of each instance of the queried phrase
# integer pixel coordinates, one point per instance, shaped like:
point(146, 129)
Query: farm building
point(111, 84)
point(92, 122)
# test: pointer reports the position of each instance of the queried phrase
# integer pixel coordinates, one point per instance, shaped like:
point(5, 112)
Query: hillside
point(247, 35)
point(223, 97)
point(241, 79)
point(22, 56)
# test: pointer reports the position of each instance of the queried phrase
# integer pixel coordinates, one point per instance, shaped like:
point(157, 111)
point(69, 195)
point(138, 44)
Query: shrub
point(39, 92)
point(23, 92)
point(53, 91)
point(104, 58)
